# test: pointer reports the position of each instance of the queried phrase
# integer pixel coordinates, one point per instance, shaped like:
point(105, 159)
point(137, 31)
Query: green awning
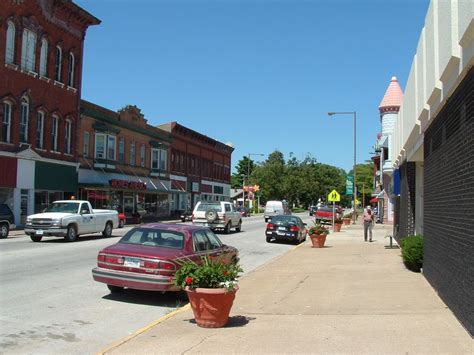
point(56, 177)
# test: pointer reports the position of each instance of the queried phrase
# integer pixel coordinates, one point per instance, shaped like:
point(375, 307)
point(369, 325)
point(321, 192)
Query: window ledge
point(58, 83)
point(110, 166)
point(32, 73)
point(44, 78)
point(7, 143)
point(99, 165)
point(11, 66)
point(70, 88)
point(41, 149)
point(68, 155)
point(55, 152)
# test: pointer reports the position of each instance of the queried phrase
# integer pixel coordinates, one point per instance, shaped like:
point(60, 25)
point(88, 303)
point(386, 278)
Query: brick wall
point(406, 208)
point(449, 202)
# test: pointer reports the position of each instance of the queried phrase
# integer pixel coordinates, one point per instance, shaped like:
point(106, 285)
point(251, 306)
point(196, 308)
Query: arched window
point(67, 137)
point(54, 133)
point(70, 71)
point(59, 59)
point(6, 123)
point(28, 50)
point(10, 50)
point(40, 130)
point(24, 118)
point(44, 57)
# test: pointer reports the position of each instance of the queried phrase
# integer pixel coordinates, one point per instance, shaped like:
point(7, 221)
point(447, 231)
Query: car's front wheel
point(71, 234)
point(36, 238)
point(4, 229)
point(227, 228)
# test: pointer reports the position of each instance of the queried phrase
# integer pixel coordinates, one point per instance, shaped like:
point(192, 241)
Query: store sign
point(124, 184)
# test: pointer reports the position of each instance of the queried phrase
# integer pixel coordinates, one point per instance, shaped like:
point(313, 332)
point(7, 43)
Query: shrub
point(318, 229)
point(412, 252)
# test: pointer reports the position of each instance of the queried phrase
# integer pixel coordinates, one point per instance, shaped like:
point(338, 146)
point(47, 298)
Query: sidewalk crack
point(196, 345)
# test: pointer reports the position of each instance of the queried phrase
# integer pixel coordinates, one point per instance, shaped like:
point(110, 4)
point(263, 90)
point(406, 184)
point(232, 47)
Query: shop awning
point(380, 195)
point(374, 200)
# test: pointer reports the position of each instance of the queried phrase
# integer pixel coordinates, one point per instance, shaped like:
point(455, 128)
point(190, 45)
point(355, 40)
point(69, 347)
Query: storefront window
point(44, 198)
point(6, 196)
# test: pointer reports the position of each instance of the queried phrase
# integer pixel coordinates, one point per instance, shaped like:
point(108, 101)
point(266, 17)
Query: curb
point(142, 330)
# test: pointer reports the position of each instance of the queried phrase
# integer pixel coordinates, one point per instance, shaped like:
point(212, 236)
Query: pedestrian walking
point(368, 223)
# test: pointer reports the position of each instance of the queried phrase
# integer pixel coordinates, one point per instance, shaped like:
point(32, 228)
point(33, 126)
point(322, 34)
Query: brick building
point(199, 167)
point(41, 48)
point(433, 154)
point(124, 162)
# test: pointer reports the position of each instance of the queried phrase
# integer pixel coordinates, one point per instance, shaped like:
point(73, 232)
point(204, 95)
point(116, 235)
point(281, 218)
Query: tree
point(243, 166)
point(270, 175)
point(365, 181)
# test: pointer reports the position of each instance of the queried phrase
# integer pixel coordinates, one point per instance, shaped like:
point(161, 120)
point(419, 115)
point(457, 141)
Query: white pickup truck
point(216, 215)
point(69, 219)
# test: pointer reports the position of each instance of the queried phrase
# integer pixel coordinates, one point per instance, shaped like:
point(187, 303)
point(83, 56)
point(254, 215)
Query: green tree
point(365, 181)
point(270, 176)
point(243, 166)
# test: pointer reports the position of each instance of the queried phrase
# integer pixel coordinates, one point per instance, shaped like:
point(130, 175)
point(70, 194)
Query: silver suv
point(217, 215)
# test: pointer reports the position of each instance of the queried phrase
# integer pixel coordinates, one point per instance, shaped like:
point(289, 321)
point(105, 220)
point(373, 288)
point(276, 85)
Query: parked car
point(273, 208)
point(217, 215)
point(186, 216)
point(289, 228)
point(122, 219)
point(70, 219)
point(312, 209)
point(324, 215)
point(7, 220)
point(147, 256)
point(244, 211)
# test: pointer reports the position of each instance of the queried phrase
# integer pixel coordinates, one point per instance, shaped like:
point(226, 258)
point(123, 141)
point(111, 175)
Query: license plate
point(281, 233)
point(281, 228)
point(39, 232)
point(132, 262)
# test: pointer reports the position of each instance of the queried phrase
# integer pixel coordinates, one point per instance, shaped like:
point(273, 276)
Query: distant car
point(217, 215)
point(122, 218)
point(147, 256)
point(7, 221)
point(273, 208)
point(186, 216)
point(312, 209)
point(284, 227)
point(323, 215)
point(244, 211)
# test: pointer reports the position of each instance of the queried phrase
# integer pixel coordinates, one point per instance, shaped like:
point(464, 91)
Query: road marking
point(143, 330)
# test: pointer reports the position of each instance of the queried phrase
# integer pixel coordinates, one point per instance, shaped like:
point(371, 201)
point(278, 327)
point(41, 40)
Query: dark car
point(7, 221)
point(284, 227)
point(244, 211)
point(186, 216)
point(147, 256)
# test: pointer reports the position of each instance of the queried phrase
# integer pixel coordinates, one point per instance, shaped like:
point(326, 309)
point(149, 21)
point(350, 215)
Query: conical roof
point(393, 96)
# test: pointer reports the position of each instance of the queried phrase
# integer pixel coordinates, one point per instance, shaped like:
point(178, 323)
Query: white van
point(273, 208)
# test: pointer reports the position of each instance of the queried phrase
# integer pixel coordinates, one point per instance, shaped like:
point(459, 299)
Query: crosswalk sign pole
point(333, 213)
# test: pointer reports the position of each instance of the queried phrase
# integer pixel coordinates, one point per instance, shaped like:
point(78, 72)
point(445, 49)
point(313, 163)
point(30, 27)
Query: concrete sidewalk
point(349, 297)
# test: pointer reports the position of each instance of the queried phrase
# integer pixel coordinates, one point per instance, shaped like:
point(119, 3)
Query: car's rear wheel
point(239, 226)
point(36, 238)
point(269, 239)
point(115, 289)
point(227, 228)
point(121, 223)
point(4, 229)
point(107, 230)
point(71, 234)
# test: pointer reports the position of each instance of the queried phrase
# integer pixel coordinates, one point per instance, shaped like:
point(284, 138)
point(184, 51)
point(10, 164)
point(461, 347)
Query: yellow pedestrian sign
point(334, 196)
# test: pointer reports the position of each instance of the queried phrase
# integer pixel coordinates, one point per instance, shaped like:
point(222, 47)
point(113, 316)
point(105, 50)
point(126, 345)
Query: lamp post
point(248, 171)
point(353, 113)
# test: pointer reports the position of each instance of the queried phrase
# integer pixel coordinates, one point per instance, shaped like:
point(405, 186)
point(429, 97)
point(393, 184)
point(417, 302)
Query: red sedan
point(147, 256)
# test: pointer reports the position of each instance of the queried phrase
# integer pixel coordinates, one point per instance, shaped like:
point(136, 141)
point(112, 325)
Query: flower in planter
point(318, 229)
point(211, 273)
point(338, 220)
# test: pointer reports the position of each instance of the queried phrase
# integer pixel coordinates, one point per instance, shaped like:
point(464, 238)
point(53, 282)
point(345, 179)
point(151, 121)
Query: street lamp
point(355, 185)
point(248, 172)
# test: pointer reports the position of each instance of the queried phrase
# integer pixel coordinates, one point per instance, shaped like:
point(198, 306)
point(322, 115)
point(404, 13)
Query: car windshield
point(64, 207)
point(154, 238)
point(284, 219)
point(209, 206)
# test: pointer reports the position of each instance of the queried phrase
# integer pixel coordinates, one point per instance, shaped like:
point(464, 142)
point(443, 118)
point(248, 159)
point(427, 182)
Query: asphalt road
point(50, 303)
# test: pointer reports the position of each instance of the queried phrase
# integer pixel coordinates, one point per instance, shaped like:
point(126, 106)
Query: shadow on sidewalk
point(234, 321)
point(149, 298)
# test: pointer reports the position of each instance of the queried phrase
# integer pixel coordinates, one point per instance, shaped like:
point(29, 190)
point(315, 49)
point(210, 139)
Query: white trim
point(10, 43)
point(37, 158)
point(43, 69)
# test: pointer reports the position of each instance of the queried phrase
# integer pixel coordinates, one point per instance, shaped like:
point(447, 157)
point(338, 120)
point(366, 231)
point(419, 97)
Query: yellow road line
point(142, 330)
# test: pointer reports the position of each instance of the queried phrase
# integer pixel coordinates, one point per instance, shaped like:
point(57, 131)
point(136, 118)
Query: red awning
point(374, 200)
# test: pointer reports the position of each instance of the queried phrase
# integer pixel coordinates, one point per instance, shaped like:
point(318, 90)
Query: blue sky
point(261, 74)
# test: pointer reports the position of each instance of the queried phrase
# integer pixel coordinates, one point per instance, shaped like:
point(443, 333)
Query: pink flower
point(189, 280)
